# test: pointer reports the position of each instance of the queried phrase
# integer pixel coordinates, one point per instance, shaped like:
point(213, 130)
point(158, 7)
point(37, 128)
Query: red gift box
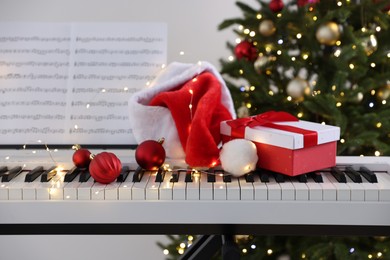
point(284, 143)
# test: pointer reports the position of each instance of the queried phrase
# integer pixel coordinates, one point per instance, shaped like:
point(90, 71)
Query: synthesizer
point(41, 192)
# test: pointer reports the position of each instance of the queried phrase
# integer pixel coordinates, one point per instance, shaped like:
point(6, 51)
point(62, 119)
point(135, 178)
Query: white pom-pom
point(238, 157)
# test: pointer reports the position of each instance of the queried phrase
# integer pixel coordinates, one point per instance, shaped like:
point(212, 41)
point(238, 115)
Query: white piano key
point(3, 191)
point(343, 192)
point(371, 190)
point(301, 190)
point(260, 188)
point(179, 188)
point(384, 185)
point(357, 190)
point(233, 190)
point(45, 190)
point(124, 190)
point(166, 187)
point(219, 188)
point(84, 190)
point(111, 191)
point(15, 187)
point(247, 191)
point(288, 190)
point(152, 188)
point(98, 191)
point(29, 189)
point(315, 190)
point(70, 190)
point(329, 192)
point(193, 187)
point(138, 191)
point(206, 188)
point(274, 190)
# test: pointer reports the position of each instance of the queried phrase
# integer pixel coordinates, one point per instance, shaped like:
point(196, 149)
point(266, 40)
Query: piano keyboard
point(37, 190)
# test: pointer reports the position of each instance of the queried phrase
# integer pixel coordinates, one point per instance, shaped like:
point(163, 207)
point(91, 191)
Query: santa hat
point(185, 105)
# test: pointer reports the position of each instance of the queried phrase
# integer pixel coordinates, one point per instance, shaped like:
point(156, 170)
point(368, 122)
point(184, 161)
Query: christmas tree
point(323, 61)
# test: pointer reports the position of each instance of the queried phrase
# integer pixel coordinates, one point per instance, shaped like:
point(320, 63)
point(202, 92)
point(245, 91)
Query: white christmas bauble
point(297, 87)
point(238, 157)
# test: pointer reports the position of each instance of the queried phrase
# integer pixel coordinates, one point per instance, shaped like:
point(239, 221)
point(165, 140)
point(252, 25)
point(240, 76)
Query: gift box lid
point(286, 139)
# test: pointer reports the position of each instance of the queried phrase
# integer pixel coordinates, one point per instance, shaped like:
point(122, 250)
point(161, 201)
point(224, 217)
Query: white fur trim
point(151, 122)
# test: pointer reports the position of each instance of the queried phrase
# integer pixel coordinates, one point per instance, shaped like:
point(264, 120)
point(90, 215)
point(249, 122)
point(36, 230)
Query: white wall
point(192, 28)
point(192, 24)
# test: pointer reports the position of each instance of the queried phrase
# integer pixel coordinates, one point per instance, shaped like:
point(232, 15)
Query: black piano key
point(12, 173)
point(160, 175)
point(3, 169)
point(354, 175)
point(123, 175)
point(33, 174)
point(188, 177)
point(302, 178)
point(139, 172)
point(227, 177)
point(264, 175)
point(210, 177)
point(48, 174)
point(249, 177)
point(368, 175)
point(317, 177)
point(279, 178)
point(71, 174)
point(84, 175)
point(338, 174)
point(174, 176)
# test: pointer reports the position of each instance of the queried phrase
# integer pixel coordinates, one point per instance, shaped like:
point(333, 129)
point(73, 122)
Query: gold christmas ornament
point(297, 87)
point(370, 44)
point(267, 28)
point(384, 92)
point(260, 63)
point(328, 33)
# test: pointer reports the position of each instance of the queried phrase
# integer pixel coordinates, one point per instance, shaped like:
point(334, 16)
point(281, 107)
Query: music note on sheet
point(68, 83)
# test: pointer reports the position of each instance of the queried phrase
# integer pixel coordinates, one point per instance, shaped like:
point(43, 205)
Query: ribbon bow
point(269, 119)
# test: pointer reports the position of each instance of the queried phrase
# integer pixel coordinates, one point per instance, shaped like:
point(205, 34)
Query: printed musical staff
point(72, 81)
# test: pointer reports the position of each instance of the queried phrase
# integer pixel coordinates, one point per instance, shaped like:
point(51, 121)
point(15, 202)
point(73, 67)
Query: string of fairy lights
point(299, 87)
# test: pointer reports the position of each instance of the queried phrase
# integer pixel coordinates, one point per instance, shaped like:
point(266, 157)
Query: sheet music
point(68, 83)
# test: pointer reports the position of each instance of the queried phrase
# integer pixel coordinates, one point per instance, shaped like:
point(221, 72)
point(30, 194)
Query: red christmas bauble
point(246, 50)
point(302, 3)
point(150, 155)
point(105, 167)
point(276, 5)
point(81, 158)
